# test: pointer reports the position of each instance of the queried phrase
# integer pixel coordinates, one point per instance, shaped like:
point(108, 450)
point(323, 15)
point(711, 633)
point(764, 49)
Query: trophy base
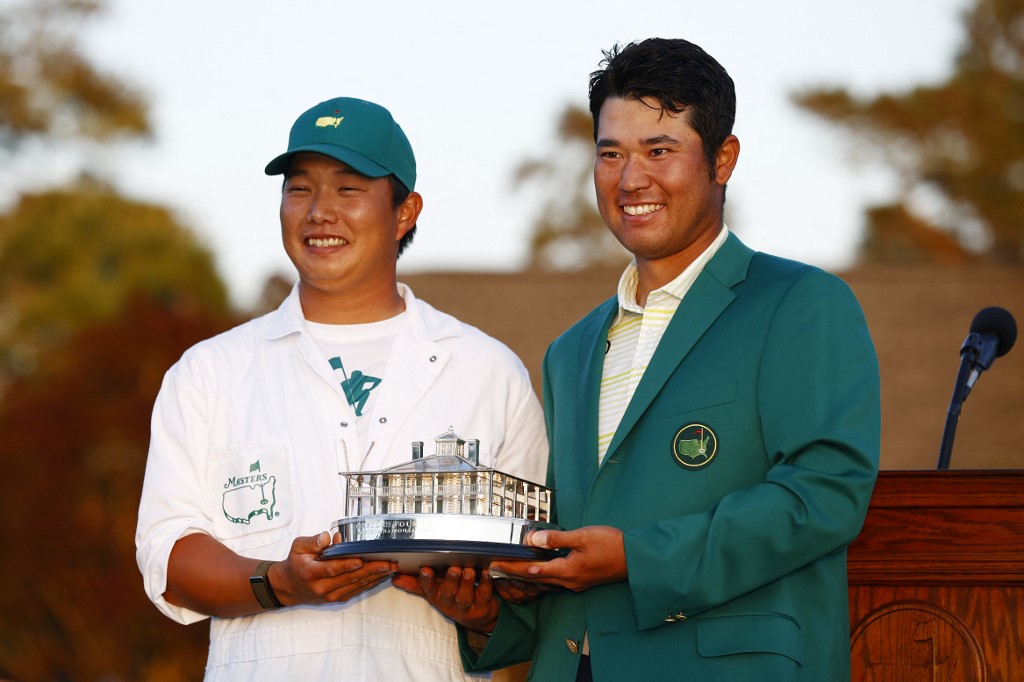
point(411, 554)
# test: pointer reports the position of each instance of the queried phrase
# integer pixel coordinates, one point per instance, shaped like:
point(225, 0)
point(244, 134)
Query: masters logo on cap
point(360, 134)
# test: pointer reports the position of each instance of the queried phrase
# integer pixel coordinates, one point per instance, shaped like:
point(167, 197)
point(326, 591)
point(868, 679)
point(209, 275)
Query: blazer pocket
point(701, 398)
point(770, 633)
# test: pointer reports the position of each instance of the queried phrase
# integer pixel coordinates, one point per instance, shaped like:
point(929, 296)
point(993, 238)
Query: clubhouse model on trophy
point(441, 510)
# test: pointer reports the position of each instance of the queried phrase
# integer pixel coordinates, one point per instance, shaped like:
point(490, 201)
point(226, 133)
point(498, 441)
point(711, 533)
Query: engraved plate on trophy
point(441, 510)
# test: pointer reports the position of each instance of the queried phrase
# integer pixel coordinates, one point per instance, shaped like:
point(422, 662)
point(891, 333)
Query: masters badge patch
point(694, 446)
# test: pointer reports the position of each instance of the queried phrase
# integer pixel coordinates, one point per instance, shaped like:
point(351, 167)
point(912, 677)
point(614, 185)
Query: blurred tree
point(73, 256)
point(62, 261)
point(47, 88)
point(73, 441)
point(958, 146)
point(275, 289)
point(99, 295)
point(569, 233)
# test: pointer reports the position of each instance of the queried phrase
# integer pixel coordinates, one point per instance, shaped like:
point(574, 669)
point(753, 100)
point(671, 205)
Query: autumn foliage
point(73, 442)
point(99, 295)
point(957, 146)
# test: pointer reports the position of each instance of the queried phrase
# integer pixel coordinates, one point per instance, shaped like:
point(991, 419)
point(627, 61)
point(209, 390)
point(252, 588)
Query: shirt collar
point(288, 318)
point(420, 317)
point(677, 288)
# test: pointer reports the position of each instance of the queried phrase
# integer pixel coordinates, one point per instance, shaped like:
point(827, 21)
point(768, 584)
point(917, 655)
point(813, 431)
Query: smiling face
point(654, 189)
point(341, 231)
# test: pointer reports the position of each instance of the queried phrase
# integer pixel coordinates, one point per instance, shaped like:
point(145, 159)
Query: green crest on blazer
point(694, 446)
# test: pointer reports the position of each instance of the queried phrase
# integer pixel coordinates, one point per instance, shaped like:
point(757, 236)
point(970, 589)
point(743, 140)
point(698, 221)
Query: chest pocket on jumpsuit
point(250, 493)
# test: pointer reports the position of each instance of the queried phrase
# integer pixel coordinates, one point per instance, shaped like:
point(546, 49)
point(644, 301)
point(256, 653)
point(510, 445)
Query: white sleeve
point(171, 505)
point(524, 452)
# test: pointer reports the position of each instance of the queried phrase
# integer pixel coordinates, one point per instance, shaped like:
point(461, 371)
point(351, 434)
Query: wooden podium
point(937, 579)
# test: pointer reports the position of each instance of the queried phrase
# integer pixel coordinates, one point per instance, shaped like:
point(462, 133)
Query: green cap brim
point(353, 159)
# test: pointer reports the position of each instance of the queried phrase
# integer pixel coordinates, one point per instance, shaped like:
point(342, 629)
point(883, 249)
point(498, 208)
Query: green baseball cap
point(358, 133)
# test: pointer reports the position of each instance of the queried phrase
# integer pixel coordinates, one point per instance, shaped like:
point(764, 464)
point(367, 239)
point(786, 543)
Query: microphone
point(993, 333)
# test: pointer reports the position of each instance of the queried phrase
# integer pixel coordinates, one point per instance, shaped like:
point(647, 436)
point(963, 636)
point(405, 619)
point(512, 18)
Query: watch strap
point(261, 587)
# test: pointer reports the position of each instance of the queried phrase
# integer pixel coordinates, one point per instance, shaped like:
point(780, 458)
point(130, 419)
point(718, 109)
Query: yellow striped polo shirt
point(634, 336)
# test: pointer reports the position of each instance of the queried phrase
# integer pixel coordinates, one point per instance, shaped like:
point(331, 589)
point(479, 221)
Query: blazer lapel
point(588, 396)
point(710, 294)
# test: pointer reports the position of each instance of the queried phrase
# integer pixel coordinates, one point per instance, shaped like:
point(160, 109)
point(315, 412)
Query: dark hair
point(680, 76)
point(399, 193)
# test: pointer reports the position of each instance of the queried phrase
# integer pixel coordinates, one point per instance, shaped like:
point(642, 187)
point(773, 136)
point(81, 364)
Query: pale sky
point(477, 87)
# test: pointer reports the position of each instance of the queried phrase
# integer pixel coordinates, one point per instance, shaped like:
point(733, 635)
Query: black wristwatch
point(261, 586)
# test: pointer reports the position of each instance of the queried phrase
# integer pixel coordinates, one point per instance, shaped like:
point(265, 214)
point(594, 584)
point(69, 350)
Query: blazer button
point(680, 616)
point(573, 646)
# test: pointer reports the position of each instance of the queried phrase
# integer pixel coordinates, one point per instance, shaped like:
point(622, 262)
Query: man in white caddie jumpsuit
point(252, 427)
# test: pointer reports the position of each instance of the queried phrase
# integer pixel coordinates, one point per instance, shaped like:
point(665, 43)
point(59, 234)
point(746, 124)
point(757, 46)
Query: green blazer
point(741, 470)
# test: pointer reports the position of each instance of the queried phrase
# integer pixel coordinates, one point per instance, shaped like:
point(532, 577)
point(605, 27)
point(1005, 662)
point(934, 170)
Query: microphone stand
point(960, 390)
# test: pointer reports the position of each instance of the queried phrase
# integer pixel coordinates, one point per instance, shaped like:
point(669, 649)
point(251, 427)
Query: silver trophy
point(441, 510)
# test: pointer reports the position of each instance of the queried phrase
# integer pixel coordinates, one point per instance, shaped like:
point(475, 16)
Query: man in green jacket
point(714, 427)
